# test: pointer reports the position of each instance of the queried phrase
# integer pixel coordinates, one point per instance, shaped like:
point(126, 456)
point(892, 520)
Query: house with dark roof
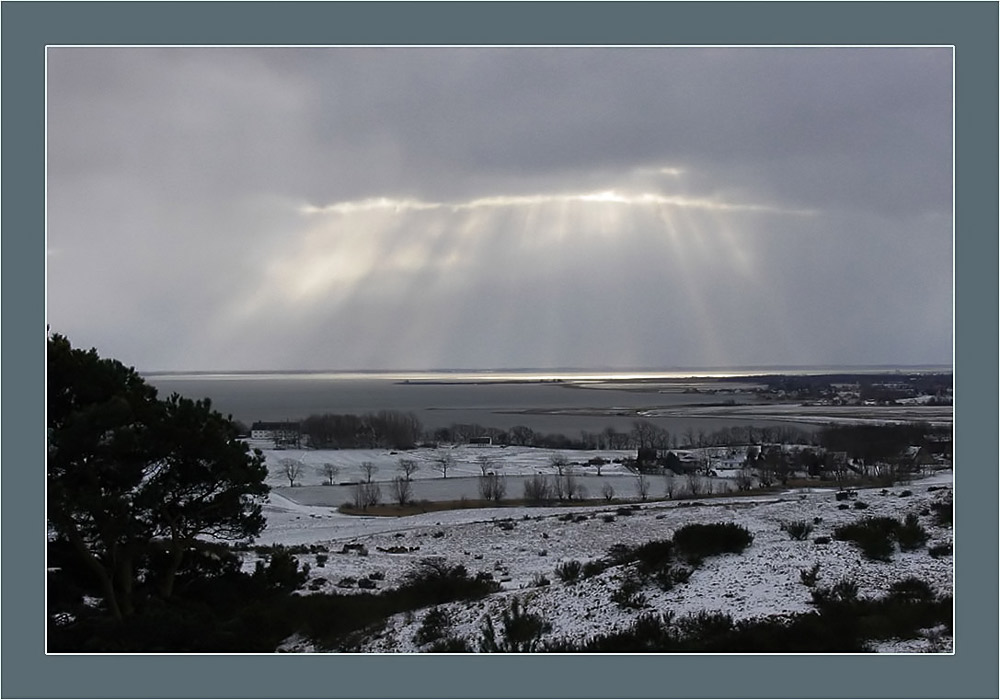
point(282, 433)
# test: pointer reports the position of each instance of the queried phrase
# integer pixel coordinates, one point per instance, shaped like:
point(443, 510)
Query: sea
point(547, 401)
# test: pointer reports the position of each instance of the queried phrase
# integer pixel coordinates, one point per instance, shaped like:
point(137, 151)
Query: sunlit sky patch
point(248, 209)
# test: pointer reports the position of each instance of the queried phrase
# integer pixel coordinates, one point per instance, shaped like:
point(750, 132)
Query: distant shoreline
point(539, 375)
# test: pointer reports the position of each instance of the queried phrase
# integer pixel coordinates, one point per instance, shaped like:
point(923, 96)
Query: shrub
point(435, 624)
point(874, 536)
point(821, 540)
point(798, 529)
point(940, 550)
point(860, 505)
point(366, 494)
point(282, 572)
point(653, 555)
point(539, 580)
point(911, 588)
point(521, 631)
point(911, 534)
point(450, 645)
point(538, 489)
point(843, 592)
point(593, 568)
point(435, 582)
point(809, 576)
point(629, 593)
point(944, 512)
point(569, 571)
point(697, 541)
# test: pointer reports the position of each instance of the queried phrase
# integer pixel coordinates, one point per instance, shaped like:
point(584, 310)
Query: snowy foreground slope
point(521, 548)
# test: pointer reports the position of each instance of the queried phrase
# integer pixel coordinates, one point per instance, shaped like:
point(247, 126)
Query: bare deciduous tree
point(402, 490)
point(744, 479)
point(537, 489)
point(486, 464)
point(443, 461)
point(567, 486)
point(329, 471)
point(366, 494)
point(642, 485)
point(408, 467)
point(669, 486)
point(492, 487)
point(291, 468)
point(559, 463)
point(368, 469)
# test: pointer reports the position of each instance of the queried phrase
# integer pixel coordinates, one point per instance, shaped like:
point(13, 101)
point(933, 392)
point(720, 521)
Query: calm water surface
point(440, 399)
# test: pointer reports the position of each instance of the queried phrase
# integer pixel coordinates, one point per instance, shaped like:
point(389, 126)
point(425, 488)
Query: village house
point(287, 433)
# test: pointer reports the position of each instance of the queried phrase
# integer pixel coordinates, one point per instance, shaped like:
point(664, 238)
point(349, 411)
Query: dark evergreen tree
point(130, 477)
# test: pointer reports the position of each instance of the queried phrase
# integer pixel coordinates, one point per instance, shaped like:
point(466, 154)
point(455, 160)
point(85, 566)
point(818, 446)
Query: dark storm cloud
point(798, 206)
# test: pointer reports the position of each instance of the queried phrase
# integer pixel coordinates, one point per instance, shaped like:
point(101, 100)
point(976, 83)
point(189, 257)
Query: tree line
point(403, 431)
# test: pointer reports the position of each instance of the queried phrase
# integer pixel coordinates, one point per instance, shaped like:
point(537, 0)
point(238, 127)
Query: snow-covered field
point(521, 546)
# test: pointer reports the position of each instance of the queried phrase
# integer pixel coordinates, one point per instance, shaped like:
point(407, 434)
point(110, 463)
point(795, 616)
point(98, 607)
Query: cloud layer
point(432, 208)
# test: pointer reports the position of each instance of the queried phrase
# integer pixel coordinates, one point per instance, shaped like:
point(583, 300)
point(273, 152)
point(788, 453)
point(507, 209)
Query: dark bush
point(697, 541)
point(911, 534)
point(874, 536)
point(940, 550)
point(911, 588)
point(653, 555)
point(282, 572)
point(593, 568)
point(629, 594)
point(798, 529)
point(860, 505)
point(521, 631)
point(436, 582)
point(821, 540)
point(434, 626)
point(450, 645)
point(569, 571)
point(809, 576)
point(539, 580)
point(944, 512)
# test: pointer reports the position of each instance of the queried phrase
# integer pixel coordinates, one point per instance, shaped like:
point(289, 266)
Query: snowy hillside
point(522, 547)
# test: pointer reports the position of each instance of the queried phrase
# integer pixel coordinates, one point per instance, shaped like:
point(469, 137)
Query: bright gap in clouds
point(606, 278)
point(606, 196)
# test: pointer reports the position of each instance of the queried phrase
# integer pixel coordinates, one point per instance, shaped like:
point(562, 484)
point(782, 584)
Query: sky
point(476, 208)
